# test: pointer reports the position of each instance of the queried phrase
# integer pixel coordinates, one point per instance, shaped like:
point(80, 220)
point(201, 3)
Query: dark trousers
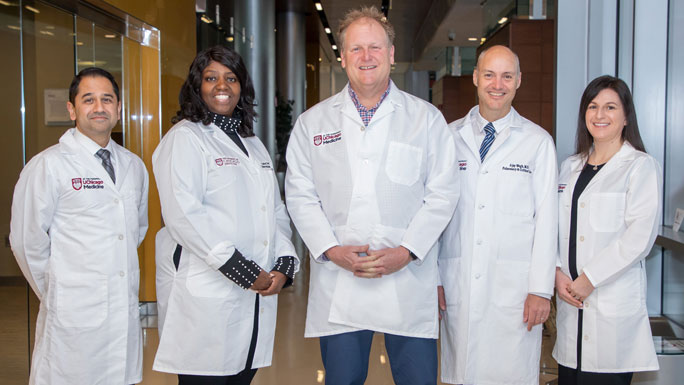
point(568, 376)
point(243, 378)
point(345, 357)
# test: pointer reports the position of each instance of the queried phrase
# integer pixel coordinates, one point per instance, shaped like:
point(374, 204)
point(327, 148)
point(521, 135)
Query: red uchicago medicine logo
point(87, 183)
point(327, 138)
point(318, 139)
point(76, 183)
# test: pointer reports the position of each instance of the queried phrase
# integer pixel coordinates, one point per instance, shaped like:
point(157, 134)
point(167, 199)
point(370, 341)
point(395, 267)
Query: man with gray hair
point(498, 255)
point(370, 186)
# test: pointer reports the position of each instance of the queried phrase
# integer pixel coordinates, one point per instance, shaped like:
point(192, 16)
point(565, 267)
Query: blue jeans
point(345, 357)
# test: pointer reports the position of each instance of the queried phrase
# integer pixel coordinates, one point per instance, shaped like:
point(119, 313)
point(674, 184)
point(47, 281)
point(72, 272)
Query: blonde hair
point(365, 13)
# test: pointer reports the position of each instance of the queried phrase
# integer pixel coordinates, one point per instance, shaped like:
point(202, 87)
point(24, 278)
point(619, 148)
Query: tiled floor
point(296, 360)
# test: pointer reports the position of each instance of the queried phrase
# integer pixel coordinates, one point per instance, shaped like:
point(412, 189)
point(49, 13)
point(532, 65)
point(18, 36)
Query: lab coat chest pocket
point(515, 195)
point(222, 172)
point(607, 211)
point(403, 163)
point(81, 300)
point(203, 281)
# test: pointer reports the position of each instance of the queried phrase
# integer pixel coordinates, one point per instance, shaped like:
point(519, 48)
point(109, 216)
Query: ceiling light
point(339, 59)
point(472, 39)
point(328, 31)
point(44, 32)
point(334, 46)
point(319, 7)
point(320, 59)
point(4, 3)
point(230, 39)
point(14, 27)
point(110, 36)
point(503, 20)
point(79, 43)
point(30, 8)
point(206, 19)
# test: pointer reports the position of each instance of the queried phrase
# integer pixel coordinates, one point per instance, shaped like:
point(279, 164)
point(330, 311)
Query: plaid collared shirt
point(367, 113)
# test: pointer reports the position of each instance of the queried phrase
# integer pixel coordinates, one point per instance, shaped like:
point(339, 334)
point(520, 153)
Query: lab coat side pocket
point(624, 296)
point(81, 300)
point(403, 163)
point(607, 211)
point(203, 281)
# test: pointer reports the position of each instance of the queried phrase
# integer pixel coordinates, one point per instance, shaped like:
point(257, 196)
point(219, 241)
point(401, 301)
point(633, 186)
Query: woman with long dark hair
point(609, 198)
point(225, 250)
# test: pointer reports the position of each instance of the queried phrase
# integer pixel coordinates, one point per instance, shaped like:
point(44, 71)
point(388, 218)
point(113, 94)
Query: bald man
point(498, 254)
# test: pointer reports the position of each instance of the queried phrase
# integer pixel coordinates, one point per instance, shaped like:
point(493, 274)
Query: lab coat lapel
point(124, 162)
point(466, 133)
point(625, 153)
point(344, 102)
point(87, 160)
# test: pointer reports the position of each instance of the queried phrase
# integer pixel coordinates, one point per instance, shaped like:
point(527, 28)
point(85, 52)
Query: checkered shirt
point(366, 113)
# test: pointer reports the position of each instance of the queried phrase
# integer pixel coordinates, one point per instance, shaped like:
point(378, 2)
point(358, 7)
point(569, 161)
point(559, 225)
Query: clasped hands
point(573, 292)
point(374, 264)
point(269, 283)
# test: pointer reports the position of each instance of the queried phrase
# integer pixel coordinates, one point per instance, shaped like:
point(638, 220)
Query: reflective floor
point(296, 360)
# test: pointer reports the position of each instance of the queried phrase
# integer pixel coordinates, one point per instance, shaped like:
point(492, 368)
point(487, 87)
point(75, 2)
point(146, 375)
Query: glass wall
point(43, 47)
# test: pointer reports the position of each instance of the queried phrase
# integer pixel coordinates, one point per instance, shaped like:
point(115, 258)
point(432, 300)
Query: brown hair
point(631, 131)
point(365, 13)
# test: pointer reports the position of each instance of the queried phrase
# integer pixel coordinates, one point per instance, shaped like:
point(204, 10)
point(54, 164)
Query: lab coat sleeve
point(33, 206)
point(545, 246)
point(303, 201)
point(283, 233)
point(142, 207)
point(181, 174)
point(642, 218)
point(442, 190)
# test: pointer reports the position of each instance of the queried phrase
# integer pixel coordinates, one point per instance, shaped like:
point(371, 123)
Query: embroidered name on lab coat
point(266, 165)
point(561, 187)
point(226, 161)
point(327, 138)
point(517, 167)
point(462, 165)
point(87, 183)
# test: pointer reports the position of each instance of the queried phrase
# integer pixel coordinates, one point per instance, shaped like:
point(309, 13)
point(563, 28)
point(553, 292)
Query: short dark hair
point(193, 108)
point(630, 133)
point(91, 72)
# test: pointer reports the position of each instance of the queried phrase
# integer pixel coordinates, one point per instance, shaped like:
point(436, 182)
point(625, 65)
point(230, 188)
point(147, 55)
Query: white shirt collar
point(499, 125)
point(93, 147)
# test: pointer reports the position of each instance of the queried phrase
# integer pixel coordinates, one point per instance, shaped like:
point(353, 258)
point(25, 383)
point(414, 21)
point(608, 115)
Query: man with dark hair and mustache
point(79, 214)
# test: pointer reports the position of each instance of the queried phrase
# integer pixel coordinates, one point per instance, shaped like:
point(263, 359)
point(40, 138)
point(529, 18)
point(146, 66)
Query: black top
point(239, 269)
point(588, 172)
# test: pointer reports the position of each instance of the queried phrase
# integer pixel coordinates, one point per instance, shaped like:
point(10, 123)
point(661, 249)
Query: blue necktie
point(106, 162)
point(488, 140)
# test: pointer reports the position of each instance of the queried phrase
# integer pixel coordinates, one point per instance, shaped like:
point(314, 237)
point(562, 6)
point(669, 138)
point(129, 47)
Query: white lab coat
point(500, 246)
point(618, 215)
point(214, 199)
point(387, 185)
point(77, 246)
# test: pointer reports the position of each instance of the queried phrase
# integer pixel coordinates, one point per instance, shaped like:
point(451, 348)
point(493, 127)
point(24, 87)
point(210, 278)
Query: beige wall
point(176, 21)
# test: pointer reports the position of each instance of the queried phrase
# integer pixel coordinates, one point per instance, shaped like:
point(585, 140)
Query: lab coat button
point(477, 276)
point(363, 128)
point(481, 206)
point(586, 304)
point(120, 237)
point(116, 201)
point(265, 243)
point(262, 310)
point(586, 338)
point(263, 208)
point(581, 238)
point(121, 274)
point(479, 241)
point(365, 161)
point(484, 171)
point(582, 205)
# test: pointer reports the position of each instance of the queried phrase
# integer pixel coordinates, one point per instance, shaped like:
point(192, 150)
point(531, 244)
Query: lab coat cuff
point(418, 260)
point(220, 254)
point(319, 255)
point(242, 271)
point(589, 277)
point(543, 295)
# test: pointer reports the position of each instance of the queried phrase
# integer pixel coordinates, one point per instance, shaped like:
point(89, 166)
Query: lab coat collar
point(344, 102)
point(70, 146)
point(466, 130)
point(627, 153)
